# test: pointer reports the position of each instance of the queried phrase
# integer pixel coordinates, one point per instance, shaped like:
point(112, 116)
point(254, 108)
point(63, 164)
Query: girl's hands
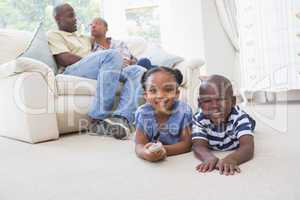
point(154, 156)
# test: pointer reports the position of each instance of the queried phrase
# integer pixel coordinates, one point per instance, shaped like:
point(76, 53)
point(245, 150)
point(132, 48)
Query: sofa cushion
point(140, 48)
point(75, 85)
point(13, 44)
point(38, 49)
point(159, 56)
point(136, 45)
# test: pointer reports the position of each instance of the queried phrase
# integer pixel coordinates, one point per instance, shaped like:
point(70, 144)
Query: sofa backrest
point(13, 43)
point(136, 45)
point(140, 48)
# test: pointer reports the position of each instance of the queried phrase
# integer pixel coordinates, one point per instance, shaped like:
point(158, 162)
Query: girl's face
point(161, 91)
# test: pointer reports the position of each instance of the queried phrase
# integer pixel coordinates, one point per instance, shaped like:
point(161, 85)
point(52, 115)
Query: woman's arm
point(183, 146)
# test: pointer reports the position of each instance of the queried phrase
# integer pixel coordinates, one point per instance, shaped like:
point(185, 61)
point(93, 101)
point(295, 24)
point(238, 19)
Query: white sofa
point(38, 106)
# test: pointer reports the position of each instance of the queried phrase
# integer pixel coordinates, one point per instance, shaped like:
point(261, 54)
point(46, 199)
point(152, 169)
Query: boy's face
point(161, 92)
point(98, 28)
point(216, 105)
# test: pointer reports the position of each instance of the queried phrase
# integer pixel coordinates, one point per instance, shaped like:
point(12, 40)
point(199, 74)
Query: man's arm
point(122, 47)
point(133, 60)
point(60, 50)
point(66, 59)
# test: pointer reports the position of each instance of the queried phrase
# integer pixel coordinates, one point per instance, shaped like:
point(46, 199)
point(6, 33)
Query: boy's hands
point(154, 156)
point(208, 165)
point(228, 166)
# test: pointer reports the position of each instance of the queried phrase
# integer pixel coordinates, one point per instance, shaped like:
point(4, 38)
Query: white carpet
point(81, 167)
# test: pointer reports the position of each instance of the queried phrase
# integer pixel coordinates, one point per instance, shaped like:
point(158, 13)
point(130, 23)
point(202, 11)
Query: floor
point(91, 167)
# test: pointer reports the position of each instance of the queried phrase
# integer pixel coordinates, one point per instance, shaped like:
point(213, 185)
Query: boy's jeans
point(106, 68)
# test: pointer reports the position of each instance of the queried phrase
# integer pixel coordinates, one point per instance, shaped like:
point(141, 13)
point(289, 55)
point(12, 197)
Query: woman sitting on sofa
point(99, 29)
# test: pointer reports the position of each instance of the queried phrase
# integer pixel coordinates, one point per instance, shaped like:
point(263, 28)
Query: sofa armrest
point(192, 64)
point(23, 64)
point(27, 108)
point(191, 72)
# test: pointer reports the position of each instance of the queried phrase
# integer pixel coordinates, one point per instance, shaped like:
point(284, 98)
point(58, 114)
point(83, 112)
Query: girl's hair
point(174, 72)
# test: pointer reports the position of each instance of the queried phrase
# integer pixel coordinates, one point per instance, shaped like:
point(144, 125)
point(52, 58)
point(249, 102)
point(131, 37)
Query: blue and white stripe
point(226, 137)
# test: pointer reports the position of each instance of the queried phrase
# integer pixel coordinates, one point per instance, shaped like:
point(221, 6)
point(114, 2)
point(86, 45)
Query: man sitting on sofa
point(72, 53)
point(99, 28)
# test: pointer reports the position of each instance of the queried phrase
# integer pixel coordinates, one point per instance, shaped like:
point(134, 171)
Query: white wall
point(113, 11)
point(191, 28)
point(181, 27)
point(219, 53)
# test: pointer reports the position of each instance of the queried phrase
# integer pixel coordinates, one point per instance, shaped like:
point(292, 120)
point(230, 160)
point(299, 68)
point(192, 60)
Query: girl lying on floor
point(163, 124)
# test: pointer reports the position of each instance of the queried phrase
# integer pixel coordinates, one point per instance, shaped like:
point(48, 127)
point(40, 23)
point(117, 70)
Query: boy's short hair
point(218, 82)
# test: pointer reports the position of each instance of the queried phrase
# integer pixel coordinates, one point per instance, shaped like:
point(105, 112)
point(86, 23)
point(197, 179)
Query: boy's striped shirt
point(226, 136)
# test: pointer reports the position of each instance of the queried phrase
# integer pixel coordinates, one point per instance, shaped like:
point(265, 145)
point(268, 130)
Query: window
point(26, 14)
point(142, 18)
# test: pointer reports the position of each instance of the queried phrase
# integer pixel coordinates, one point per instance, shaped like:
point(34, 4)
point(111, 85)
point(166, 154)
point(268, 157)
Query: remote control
point(155, 147)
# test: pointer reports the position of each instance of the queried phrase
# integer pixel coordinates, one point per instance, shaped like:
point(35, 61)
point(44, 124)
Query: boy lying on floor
point(221, 126)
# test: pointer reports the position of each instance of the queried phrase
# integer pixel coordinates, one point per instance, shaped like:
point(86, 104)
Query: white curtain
point(227, 12)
